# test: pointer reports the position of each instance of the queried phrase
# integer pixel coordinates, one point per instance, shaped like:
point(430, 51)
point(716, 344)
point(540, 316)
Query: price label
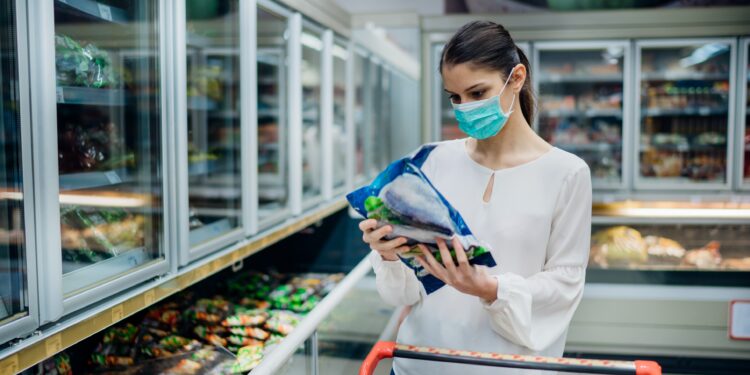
point(53, 345)
point(117, 313)
point(60, 95)
point(739, 320)
point(10, 365)
point(149, 297)
point(105, 12)
point(236, 256)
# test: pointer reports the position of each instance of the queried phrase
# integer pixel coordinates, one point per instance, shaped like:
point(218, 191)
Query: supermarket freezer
point(660, 280)
point(100, 78)
point(330, 334)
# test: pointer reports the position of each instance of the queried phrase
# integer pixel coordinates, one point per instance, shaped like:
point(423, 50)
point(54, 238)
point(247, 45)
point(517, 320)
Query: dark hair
point(489, 45)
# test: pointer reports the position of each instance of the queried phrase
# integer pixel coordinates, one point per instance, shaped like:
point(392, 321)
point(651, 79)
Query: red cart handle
point(381, 350)
point(390, 349)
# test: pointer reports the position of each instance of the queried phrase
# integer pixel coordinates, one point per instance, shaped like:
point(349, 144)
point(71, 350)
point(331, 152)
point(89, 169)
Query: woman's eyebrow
point(474, 86)
point(467, 90)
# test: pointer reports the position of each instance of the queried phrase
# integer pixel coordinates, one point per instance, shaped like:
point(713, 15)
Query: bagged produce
point(403, 197)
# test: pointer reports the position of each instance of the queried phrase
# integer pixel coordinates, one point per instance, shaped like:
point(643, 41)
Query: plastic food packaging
point(403, 197)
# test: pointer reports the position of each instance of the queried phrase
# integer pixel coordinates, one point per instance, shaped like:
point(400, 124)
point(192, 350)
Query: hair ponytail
point(526, 97)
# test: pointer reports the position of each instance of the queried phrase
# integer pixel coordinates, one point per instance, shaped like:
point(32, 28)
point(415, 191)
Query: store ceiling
point(437, 7)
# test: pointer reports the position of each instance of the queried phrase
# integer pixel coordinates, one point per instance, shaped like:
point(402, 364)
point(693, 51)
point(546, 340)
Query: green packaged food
point(243, 340)
point(253, 332)
point(245, 320)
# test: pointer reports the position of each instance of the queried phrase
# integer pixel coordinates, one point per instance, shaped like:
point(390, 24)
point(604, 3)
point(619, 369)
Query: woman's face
point(466, 83)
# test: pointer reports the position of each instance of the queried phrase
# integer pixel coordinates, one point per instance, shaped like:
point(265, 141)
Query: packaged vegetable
point(245, 320)
point(253, 332)
point(403, 197)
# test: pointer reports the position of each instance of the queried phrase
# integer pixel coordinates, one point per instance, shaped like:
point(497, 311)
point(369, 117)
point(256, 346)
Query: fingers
point(367, 225)
point(391, 245)
point(424, 263)
point(377, 234)
point(463, 261)
point(435, 268)
point(446, 255)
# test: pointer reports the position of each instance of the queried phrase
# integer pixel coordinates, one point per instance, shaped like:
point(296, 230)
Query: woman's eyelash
point(453, 97)
point(477, 94)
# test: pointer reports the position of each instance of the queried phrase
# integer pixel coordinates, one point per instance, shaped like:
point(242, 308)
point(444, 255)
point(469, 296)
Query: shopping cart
point(384, 349)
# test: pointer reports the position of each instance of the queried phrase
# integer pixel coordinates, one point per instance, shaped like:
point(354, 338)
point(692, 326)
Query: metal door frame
point(26, 324)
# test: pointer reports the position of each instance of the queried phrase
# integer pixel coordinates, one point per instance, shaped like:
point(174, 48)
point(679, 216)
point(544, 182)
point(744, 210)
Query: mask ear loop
point(513, 101)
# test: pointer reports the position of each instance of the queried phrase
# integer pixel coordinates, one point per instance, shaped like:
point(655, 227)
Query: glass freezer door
point(745, 118)
point(312, 155)
point(213, 120)
point(361, 70)
point(685, 102)
point(340, 141)
point(17, 306)
point(109, 139)
point(581, 89)
point(273, 171)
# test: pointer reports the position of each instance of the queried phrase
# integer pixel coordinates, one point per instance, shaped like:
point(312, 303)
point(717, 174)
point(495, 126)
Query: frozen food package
point(403, 197)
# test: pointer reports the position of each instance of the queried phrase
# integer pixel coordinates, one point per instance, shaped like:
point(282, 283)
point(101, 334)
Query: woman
point(530, 202)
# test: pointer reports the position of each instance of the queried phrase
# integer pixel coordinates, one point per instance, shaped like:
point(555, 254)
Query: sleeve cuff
point(507, 285)
point(378, 263)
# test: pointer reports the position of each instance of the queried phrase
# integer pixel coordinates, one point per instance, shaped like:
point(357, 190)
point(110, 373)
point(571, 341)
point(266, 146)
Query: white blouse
point(537, 224)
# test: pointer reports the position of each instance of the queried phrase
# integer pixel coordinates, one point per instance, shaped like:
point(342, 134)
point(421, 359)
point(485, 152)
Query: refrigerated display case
point(361, 112)
point(660, 278)
point(384, 125)
point(445, 126)
point(339, 134)
point(273, 129)
point(743, 117)
point(211, 129)
point(685, 106)
point(583, 91)
point(372, 115)
point(671, 242)
point(107, 96)
point(18, 301)
point(311, 75)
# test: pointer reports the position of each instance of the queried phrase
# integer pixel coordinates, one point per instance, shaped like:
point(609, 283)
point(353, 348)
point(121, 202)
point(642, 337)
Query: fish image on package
point(403, 197)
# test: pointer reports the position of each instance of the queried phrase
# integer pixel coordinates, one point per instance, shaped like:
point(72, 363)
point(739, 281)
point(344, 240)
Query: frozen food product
point(707, 257)
point(83, 64)
point(403, 197)
point(619, 246)
point(739, 264)
point(662, 250)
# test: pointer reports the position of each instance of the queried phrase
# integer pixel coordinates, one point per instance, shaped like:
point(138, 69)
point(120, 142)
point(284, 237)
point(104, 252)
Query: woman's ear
point(518, 78)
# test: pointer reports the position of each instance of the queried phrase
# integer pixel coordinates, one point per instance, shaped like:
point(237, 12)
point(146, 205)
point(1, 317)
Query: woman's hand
point(388, 250)
point(462, 276)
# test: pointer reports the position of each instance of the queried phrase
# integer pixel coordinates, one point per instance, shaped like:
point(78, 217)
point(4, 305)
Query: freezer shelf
point(97, 10)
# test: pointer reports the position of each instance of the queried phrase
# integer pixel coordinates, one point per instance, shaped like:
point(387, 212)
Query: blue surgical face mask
point(483, 119)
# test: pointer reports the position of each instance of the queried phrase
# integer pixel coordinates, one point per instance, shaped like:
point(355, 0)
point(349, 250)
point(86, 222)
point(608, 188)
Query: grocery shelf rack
point(77, 327)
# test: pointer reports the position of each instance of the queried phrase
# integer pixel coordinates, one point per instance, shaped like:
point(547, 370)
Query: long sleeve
point(535, 311)
point(396, 283)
